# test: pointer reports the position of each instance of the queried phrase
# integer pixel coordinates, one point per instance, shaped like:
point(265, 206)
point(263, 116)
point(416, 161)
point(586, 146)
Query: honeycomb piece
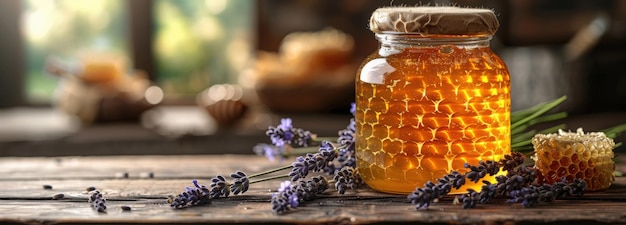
point(588, 156)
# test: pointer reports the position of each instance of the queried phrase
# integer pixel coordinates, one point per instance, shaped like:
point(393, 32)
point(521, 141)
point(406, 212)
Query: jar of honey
point(432, 98)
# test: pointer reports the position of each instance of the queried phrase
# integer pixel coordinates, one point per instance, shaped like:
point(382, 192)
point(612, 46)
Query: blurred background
point(208, 76)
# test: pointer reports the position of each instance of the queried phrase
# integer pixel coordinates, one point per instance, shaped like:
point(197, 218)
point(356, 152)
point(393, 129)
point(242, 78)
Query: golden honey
point(427, 105)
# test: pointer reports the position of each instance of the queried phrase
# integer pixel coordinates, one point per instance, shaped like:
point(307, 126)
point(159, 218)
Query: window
point(195, 43)
point(64, 28)
point(199, 43)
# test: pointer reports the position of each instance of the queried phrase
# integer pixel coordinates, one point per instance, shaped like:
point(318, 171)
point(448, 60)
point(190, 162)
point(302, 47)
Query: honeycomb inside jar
point(422, 112)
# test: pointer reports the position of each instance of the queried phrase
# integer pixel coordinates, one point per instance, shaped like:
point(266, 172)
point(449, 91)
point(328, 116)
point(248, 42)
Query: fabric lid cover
point(445, 20)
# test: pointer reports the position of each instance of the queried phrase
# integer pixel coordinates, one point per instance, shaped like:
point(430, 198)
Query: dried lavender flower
point(346, 139)
point(289, 195)
point(454, 178)
point(353, 108)
point(484, 167)
point(281, 134)
point(192, 196)
point(528, 196)
point(271, 152)
point(285, 198)
point(422, 197)
point(313, 162)
point(240, 184)
point(347, 178)
point(488, 192)
point(327, 153)
point(518, 178)
point(470, 199)
point(97, 201)
point(302, 137)
point(219, 187)
point(512, 161)
point(301, 167)
point(519, 186)
point(286, 134)
point(562, 189)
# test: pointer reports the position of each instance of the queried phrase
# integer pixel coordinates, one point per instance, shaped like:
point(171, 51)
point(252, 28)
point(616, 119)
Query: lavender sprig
point(313, 162)
point(346, 139)
point(531, 195)
point(519, 187)
point(271, 152)
point(484, 167)
point(219, 187)
point(470, 199)
point(284, 138)
point(240, 184)
point(192, 196)
point(285, 134)
point(528, 196)
point(422, 197)
point(347, 178)
point(290, 196)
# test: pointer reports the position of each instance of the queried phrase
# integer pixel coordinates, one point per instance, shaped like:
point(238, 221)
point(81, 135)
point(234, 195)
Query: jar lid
point(434, 20)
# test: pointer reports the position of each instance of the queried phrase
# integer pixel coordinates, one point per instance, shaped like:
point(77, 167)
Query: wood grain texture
point(23, 200)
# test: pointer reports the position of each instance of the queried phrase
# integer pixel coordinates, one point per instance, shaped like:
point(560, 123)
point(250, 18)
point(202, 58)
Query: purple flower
point(192, 196)
point(346, 139)
point(353, 108)
point(271, 152)
point(347, 178)
point(219, 187)
point(240, 184)
point(528, 196)
point(314, 162)
point(285, 124)
point(293, 200)
point(284, 186)
point(289, 195)
point(286, 134)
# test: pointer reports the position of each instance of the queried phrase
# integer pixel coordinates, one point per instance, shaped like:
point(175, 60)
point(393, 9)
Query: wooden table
point(144, 182)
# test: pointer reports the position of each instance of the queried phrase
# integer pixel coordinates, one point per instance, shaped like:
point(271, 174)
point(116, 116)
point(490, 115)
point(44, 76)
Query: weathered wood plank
point(162, 167)
point(23, 199)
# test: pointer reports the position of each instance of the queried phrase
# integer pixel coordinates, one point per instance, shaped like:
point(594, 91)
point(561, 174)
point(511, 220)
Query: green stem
point(331, 139)
point(302, 151)
point(523, 113)
point(545, 108)
point(270, 171)
point(299, 151)
point(521, 144)
point(612, 132)
point(523, 149)
point(552, 129)
point(525, 139)
point(270, 178)
point(551, 117)
point(331, 181)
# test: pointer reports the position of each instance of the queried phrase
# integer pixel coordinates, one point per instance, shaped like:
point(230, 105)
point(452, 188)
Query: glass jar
point(432, 98)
